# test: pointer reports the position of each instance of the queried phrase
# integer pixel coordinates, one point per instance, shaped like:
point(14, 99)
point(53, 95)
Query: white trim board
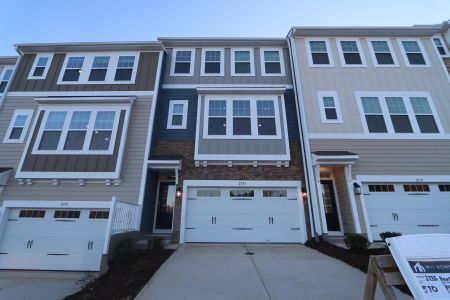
point(56, 204)
point(84, 93)
point(214, 85)
point(173, 61)
point(378, 136)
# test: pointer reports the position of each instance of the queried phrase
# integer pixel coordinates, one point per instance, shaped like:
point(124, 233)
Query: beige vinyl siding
point(131, 173)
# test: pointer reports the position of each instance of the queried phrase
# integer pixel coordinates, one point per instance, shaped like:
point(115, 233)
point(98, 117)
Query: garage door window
point(274, 193)
point(67, 214)
point(416, 187)
point(31, 213)
point(208, 193)
point(444, 187)
point(381, 188)
point(98, 214)
point(242, 193)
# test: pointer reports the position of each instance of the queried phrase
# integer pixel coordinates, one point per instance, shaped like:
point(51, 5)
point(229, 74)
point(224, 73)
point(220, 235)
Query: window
point(444, 187)
point(274, 193)
point(18, 127)
point(399, 115)
point(241, 117)
point(99, 68)
point(32, 213)
point(5, 78)
point(66, 214)
point(350, 53)
point(125, 68)
point(177, 118)
point(266, 117)
point(40, 66)
point(424, 115)
point(416, 187)
point(212, 62)
point(242, 193)
point(381, 188)
point(77, 131)
point(330, 111)
point(242, 62)
point(373, 114)
point(413, 53)
point(183, 62)
point(98, 214)
point(382, 54)
point(318, 53)
point(73, 68)
point(440, 46)
point(217, 121)
point(272, 62)
point(208, 193)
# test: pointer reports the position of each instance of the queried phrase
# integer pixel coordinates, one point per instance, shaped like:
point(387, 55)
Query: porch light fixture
point(304, 193)
point(179, 192)
point(356, 188)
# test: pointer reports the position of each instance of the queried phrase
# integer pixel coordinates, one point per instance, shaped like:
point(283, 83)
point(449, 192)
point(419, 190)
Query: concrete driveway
point(223, 271)
point(38, 285)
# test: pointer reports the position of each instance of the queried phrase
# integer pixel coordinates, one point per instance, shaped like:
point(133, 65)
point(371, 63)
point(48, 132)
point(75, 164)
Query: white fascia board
point(56, 204)
point(403, 178)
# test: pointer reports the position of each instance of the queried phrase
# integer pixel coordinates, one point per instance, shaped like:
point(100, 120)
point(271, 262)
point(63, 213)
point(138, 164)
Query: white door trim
point(338, 207)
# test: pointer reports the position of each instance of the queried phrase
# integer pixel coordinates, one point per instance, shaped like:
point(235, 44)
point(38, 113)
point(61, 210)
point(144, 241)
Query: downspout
point(304, 141)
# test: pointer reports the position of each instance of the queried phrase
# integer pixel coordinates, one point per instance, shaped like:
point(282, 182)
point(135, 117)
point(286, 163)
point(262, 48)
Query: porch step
point(143, 242)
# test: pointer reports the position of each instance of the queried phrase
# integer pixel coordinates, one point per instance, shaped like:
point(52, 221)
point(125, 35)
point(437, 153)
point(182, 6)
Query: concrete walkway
point(38, 285)
point(223, 271)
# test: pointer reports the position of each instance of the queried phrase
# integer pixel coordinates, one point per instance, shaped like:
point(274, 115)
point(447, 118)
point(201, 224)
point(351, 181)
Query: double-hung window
point(266, 117)
point(103, 128)
point(319, 55)
point(351, 53)
point(242, 62)
point(183, 62)
point(76, 135)
point(413, 53)
point(382, 53)
point(18, 127)
point(125, 67)
point(272, 62)
point(329, 105)
point(177, 118)
point(374, 115)
point(52, 130)
point(424, 115)
point(440, 46)
point(212, 64)
point(399, 115)
point(241, 117)
point(5, 78)
point(99, 68)
point(40, 66)
point(217, 117)
point(73, 68)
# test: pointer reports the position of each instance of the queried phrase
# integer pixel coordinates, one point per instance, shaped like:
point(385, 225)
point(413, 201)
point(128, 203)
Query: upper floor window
point(5, 78)
point(319, 53)
point(351, 53)
point(330, 111)
point(241, 117)
point(399, 115)
point(217, 117)
point(272, 63)
point(182, 62)
point(266, 117)
point(177, 118)
point(424, 115)
point(125, 68)
point(438, 43)
point(374, 115)
point(212, 62)
point(73, 68)
point(242, 62)
point(18, 126)
point(40, 67)
point(99, 68)
point(73, 130)
point(382, 53)
point(413, 53)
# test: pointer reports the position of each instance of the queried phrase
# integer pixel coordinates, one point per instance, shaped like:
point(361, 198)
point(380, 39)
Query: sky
point(42, 21)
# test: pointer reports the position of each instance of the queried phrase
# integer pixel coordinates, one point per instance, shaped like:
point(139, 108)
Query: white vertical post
point(323, 220)
point(351, 195)
point(112, 215)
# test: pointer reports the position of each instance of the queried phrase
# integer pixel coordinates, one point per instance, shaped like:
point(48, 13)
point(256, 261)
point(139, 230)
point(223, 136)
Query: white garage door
point(257, 215)
point(409, 208)
point(53, 239)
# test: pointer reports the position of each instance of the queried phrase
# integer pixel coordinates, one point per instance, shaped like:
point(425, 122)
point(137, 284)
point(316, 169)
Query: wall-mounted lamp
point(179, 192)
point(304, 193)
point(356, 188)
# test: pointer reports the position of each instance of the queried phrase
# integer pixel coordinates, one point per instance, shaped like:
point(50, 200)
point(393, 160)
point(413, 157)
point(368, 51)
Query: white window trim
point(422, 50)
point(410, 112)
point(222, 62)
point(252, 62)
point(70, 109)
point(87, 66)
point(391, 50)
point(447, 53)
point(191, 67)
point(253, 117)
point(309, 52)
point(184, 119)
point(2, 73)
point(263, 65)
point(47, 67)
point(320, 95)
point(17, 112)
point(360, 51)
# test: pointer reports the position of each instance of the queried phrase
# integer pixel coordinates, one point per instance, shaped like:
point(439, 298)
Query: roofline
point(225, 41)
point(8, 60)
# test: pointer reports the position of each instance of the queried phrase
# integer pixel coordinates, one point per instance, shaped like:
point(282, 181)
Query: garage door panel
point(243, 235)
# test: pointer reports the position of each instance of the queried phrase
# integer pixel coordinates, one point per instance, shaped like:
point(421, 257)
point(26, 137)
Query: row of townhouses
point(328, 131)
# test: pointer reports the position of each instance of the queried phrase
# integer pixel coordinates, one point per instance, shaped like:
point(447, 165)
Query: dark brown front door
point(329, 201)
point(164, 207)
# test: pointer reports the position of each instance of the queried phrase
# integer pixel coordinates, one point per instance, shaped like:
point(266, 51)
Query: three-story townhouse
point(374, 108)
point(76, 126)
point(225, 162)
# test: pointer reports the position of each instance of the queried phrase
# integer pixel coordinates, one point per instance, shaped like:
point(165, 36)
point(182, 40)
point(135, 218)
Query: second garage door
point(258, 215)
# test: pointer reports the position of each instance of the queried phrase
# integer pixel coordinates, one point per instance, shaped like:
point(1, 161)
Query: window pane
point(411, 46)
point(266, 126)
point(123, 74)
point(384, 58)
point(265, 108)
point(242, 68)
point(241, 126)
point(75, 62)
point(178, 108)
point(349, 46)
point(217, 108)
point(401, 124)
point(125, 62)
point(420, 105)
point(20, 120)
point(3, 86)
point(184, 56)
point(75, 140)
point(271, 56)
point(396, 105)
point(241, 108)
point(42, 62)
point(416, 58)
point(100, 140)
point(328, 102)
point(330, 113)
point(242, 56)
point(320, 58)
point(80, 120)
point(318, 46)
point(182, 68)
point(50, 140)
point(71, 75)
point(376, 124)
point(274, 193)
point(380, 46)
point(177, 120)
point(105, 120)
point(38, 71)
point(212, 56)
point(217, 126)
point(371, 105)
point(273, 67)
point(427, 124)
point(55, 120)
point(100, 62)
point(212, 67)
point(352, 59)
point(97, 75)
point(16, 132)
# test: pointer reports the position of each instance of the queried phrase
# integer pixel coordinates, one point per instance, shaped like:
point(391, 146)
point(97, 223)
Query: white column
point(351, 196)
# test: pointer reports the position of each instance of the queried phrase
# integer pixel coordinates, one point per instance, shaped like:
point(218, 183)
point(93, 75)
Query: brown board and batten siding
point(145, 77)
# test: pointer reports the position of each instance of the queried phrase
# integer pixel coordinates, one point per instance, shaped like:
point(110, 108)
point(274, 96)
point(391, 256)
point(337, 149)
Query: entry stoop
point(142, 243)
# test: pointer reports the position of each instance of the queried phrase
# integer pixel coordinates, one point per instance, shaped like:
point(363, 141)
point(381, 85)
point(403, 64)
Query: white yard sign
point(424, 261)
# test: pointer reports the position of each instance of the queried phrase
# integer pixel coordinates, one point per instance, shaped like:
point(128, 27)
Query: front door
point(329, 201)
point(164, 207)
